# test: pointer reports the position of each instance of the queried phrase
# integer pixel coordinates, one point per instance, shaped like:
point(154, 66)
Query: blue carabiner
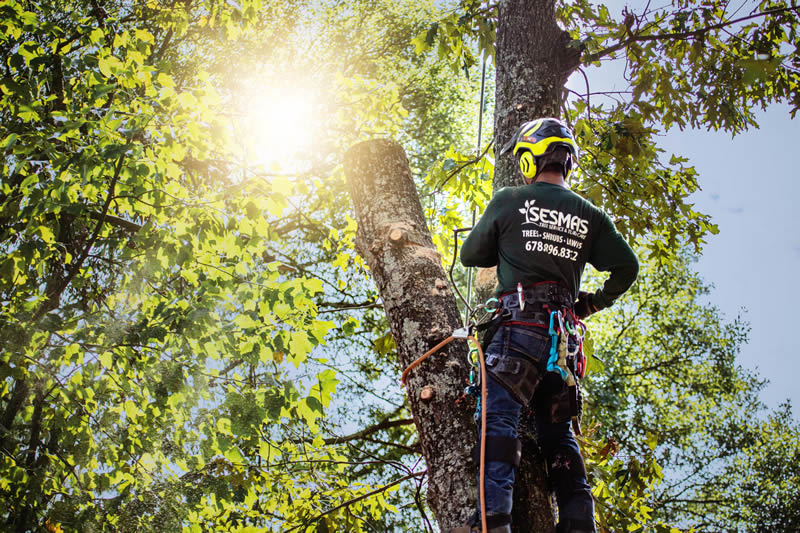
point(553, 333)
point(552, 361)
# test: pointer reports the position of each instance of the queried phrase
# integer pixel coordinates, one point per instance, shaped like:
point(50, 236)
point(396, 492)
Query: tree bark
point(394, 239)
point(534, 59)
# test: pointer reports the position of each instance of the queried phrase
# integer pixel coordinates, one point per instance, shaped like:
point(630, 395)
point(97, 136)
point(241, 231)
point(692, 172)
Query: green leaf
point(47, 234)
point(96, 36)
point(10, 140)
point(106, 359)
point(651, 440)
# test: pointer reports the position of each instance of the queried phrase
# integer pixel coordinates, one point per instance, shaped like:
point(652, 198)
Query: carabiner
point(521, 296)
point(552, 361)
point(473, 362)
point(561, 327)
point(491, 301)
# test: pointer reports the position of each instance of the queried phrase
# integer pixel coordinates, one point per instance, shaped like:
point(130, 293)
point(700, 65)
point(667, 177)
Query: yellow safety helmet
point(535, 142)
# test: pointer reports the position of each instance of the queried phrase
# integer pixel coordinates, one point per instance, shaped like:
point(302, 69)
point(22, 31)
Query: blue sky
point(750, 186)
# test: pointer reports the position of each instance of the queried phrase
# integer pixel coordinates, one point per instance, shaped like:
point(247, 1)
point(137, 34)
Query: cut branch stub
point(394, 240)
point(427, 393)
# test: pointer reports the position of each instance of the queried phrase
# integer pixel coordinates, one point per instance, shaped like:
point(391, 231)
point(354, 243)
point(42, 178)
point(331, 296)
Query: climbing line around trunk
point(463, 333)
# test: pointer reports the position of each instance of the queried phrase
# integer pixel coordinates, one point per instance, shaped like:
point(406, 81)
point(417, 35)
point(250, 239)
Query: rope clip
point(472, 361)
point(561, 328)
point(461, 333)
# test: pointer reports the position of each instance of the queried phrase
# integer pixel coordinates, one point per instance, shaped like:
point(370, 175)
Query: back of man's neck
point(552, 177)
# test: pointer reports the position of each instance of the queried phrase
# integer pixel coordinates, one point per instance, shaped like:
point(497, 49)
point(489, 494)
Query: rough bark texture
point(394, 240)
point(534, 60)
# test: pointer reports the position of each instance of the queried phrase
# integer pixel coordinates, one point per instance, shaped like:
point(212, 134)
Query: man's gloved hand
point(584, 306)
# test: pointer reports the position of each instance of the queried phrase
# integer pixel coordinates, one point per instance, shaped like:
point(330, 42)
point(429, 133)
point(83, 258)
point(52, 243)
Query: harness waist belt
point(551, 294)
point(530, 316)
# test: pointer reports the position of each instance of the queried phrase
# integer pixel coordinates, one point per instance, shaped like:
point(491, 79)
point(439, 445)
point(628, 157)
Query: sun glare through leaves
point(279, 128)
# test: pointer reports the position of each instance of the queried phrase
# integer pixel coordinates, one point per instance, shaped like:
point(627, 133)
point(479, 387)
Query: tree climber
point(540, 236)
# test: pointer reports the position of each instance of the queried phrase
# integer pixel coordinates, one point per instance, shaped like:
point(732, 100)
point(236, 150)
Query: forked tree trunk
point(394, 240)
point(534, 59)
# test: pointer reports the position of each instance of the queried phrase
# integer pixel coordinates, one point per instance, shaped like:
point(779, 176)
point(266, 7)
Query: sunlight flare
point(278, 126)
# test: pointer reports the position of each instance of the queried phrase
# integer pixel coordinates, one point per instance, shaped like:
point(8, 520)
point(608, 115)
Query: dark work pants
point(564, 461)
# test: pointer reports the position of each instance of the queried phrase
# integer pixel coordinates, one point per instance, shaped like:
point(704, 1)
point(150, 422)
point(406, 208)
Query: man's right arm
point(481, 247)
point(611, 253)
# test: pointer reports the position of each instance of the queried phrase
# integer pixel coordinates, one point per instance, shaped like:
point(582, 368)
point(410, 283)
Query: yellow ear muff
point(527, 164)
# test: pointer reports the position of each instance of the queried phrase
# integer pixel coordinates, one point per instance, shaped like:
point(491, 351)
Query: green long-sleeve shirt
point(545, 232)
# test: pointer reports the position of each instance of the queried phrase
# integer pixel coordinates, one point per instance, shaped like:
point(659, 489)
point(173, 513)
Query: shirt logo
point(553, 219)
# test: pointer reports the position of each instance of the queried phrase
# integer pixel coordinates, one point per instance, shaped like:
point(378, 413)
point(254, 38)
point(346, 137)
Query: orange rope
point(481, 485)
point(421, 359)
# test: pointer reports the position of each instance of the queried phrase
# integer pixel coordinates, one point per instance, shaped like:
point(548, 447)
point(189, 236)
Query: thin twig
point(462, 167)
point(358, 498)
point(681, 35)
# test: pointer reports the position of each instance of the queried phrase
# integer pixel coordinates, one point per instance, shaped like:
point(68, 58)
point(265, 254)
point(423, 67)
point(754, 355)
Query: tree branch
point(55, 294)
point(111, 219)
point(36, 427)
point(680, 35)
point(344, 306)
point(358, 498)
point(13, 407)
point(386, 424)
point(415, 448)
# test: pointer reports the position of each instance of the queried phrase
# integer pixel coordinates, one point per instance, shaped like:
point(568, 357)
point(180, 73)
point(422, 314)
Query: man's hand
point(584, 306)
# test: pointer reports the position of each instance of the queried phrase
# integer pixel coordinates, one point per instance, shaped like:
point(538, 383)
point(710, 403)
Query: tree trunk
point(421, 308)
point(534, 59)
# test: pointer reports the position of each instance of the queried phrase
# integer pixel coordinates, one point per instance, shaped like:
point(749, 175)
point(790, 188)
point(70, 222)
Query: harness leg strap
point(502, 449)
point(518, 375)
